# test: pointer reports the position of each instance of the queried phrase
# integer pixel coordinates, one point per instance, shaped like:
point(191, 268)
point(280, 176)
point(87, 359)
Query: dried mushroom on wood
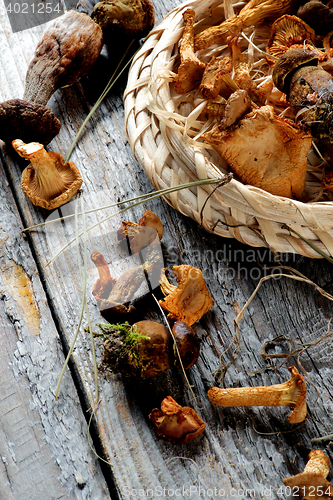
point(47, 181)
point(178, 424)
point(68, 49)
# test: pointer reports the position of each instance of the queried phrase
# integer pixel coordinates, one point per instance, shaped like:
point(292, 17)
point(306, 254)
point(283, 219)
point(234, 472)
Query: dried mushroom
point(187, 343)
point(265, 151)
point(28, 121)
point(253, 13)
point(143, 234)
point(191, 68)
point(103, 286)
point(121, 19)
point(190, 299)
point(318, 15)
point(68, 49)
point(47, 182)
point(216, 78)
point(178, 424)
point(286, 32)
point(312, 484)
point(291, 393)
point(309, 90)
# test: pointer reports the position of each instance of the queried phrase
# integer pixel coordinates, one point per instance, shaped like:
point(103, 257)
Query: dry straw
point(164, 133)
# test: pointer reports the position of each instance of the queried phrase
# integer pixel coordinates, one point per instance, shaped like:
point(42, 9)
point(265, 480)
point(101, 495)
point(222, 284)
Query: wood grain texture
point(242, 450)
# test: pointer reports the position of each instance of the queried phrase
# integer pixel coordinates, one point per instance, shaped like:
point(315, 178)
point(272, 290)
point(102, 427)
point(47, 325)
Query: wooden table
point(44, 446)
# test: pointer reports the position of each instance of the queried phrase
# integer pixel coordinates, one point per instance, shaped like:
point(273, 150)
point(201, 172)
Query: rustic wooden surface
point(44, 448)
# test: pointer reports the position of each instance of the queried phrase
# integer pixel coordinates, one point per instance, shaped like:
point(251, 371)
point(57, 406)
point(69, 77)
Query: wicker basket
point(159, 126)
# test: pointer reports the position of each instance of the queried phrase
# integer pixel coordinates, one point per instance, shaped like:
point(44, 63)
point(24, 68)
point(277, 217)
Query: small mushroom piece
point(188, 344)
point(47, 182)
point(178, 424)
point(213, 78)
point(253, 13)
point(286, 32)
point(237, 106)
point(191, 68)
point(291, 393)
point(143, 234)
point(121, 19)
point(103, 286)
point(242, 77)
point(188, 301)
point(28, 121)
point(265, 151)
point(312, 484)
point(68, 49)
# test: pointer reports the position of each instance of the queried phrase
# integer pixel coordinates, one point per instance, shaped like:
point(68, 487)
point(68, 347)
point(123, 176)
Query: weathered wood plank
point(246, 449)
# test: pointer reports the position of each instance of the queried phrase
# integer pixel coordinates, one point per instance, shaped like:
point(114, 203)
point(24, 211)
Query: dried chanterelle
point(140, 235)
point(312, 484)
point(47, 182)
point(178, 424)
point(291, 393)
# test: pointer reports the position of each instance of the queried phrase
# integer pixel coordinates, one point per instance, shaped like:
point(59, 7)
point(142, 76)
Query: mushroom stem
point(291, 393)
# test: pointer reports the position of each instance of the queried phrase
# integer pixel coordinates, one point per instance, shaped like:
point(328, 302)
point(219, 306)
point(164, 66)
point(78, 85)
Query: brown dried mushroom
point(253, 13)
point(103, 286)
point(188, 344)
point(265, 151)
point(143, 234)
point(68, 49)
point(291, 393)
point(188, 301)
point(312, 484)
point(47, 182)
point(28, 121)
point(216, 78)
point(178, 424)
point(121, 19)
point(318, 15)
point(191, 68)
point(286, 32)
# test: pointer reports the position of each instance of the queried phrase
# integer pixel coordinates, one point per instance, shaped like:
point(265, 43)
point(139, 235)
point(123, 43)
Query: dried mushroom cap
point(69, 47)
point(312, 483)
point(289, 62)
point(191, 68)
point(178, 424)
point(47, 182)
point(317, 15)
point(286, 32)
point(188, 344)
point(265, 151)
point(143, 234)
point(27, 121)
point(217, 70)
point(124, 18)
point(188, 301)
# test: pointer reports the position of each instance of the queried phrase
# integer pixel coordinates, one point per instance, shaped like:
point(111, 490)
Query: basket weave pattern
point(156, 130)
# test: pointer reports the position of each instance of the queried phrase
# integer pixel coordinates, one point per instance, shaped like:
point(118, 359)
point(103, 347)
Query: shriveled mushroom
point(318, 15)
point(121, 19)
point(103, 286)
point(216, 78)
point(266, 151)
point(312, 484)
point(47, 182)
point(286, 32)
point(309, 90)
point(237, 106)
point(28, 121)
point(253, 13)
point(67, 50)
point(291, 393)
point(188, 301)
point(143, 234)
point(242, 78)
point(178, 424)
point(191, 68)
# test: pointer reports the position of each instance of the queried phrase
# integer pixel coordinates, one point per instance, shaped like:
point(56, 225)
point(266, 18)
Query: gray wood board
point(246, 449)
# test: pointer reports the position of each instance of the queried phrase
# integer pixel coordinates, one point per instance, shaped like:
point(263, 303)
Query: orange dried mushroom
point(191, 68)
point(103, 286)
point(188, 301)
point(216, 78)
point(142, 234)
point(178, 424)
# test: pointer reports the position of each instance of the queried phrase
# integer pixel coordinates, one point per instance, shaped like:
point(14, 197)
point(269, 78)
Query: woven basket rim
point(263, 219)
